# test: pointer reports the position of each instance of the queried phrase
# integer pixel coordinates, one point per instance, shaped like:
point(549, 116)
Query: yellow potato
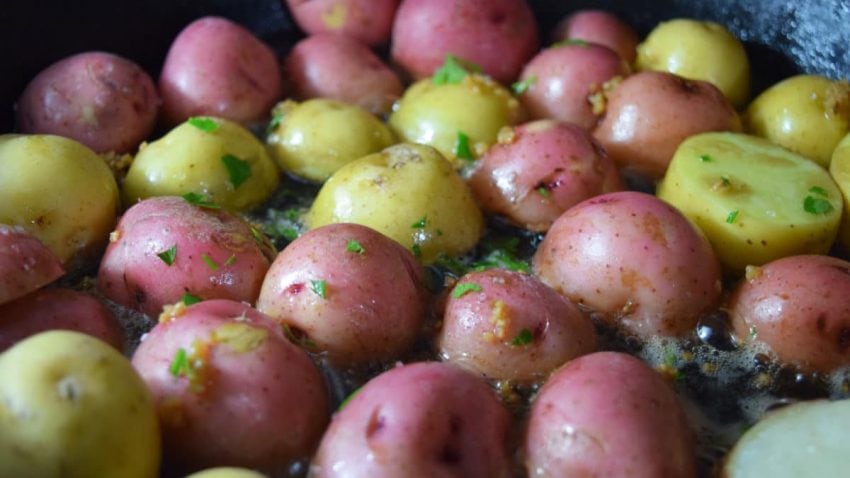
point(807, 114)
point(315, 138)
point(408, 192)
point(226, 472)
point(72, 406)
point(754, 200)
point(59, 191)
point(839, 168)
point(699, 51)
point(210, 156)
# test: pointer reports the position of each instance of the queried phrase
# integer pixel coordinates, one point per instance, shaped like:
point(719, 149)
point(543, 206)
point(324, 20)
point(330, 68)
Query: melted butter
point(240, 337)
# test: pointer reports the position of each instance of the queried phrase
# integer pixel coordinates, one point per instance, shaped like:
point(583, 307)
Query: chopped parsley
point(502, 255)
point(523, 338)
point(420, 224)
point(521, 87)
point(462, 289)
point(258, 236)
point(543, 192)
point(190, 299)
point(320, 288)
point(819, 191)
point(277, 118)
point(180, 364)
point(200, 200)
point(705, 158)
point(753, 332)
point(571, 42)
point(168, 255)
point(725, 181)
point(416, 250)
point(230, 260)
point(239, 170)
point(730, 218)
point(453, 71)
point(207, 125)
point(347, 399)
point(462, 150)
point(817, 205)
point(209, 261)
point(354, 246)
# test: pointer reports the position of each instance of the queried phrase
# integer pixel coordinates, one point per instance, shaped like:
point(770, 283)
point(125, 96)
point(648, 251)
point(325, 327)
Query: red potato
point(497, 35)
point(216, 67)
point(608, 414)
point(540, 169)
point(25, 263)
point(428, 420)
point(368, 22)
point(212, 254)
point(600, 27)
point(336, 67)
point(635, 260)
point(800, 307)
point(563, 78)
point(65, 309)
point(507, 325)
point(348, 290)
point(104, 101)
point(239, 393)
point(650, 113)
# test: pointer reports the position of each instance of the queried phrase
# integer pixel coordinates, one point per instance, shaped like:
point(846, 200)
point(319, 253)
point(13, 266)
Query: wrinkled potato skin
point(59, 191)
point(423, 420)
point(375, 299)
point(396, 188)
point(602, 28)
point(25, 263)
point(216, 67)
point(497, 35)
point(560, 157)
point(608, 414)
point(698, 51)
point(631, 257)
point(807, 114)
point(71, 406)
point(317, 137)
point(650, 113)
point(188, 159)
point(104, 101)
point(334, 67)
point(368, 22)
point(800, 307)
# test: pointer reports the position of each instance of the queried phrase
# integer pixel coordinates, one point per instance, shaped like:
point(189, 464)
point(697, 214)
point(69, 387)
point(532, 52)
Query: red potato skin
point(104, 101)
point(650, 113)
point(602, 28)
point(336, 67)
point(216, 67)
point(635, 260)
point(369, 22)
point(497, 35)
point(375, 301)
point(133, 275)
point(561, 158)
point(428, 420)
point(479, 327)
point(564, 79)
point(65, 309)
point(25, 263)
point(800, 307)
point(258, 407)
point(608, 414)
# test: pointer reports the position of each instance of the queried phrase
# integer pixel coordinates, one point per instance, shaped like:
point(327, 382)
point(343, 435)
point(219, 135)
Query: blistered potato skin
point(600, 27)
point(257, 401)
point(104, 101)
point(800, 307)
point(633, 258)
point(428, 420)
point(374, 298)
point(59, 191)
point(25, 263)
point(366, 21)
point(608, 414)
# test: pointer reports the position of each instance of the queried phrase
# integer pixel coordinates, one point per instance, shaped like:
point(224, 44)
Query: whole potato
point(423, 420)
point(608, 414)
point(807, 114)
point(497, 35)
point(698, 50)
point(25, 263)
point(216, 67)
point(800, 307)
point(600, 27)
point(71, 406)
point(315, 138)
point(366, 21)
point(102, 100)
point(59, 191)
point(226, 472)
point(631, 257)
point(408, 192)
point(210, 156)
point(338, 68)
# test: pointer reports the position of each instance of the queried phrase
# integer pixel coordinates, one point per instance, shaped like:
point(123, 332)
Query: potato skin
point(25, 263)
point(540, 169)
point(600, 27)
point(247, 396)
point(216, 67)
point(608, 414)
point(374, 303)
point(482, 331)
point(426, 419)
point(368, 22)
point(217, 256)
point(72, 406)
point(104, 101)
point(630, 257)
point(800, 307)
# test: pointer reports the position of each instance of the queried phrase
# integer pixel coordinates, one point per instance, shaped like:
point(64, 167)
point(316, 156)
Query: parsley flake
point(521, 87)
point(462, 289)
point(168, 255)
point(815, 205)
point(320, 288)
point(239, 170)
point(462, 150)
point(730, 218)
point(543, 192)
point(416, 250)
point(453, 71)
point(189, 299)
point(819, 191)
point(523, 338)
point(180, 364)
point(200, 200)
point(209, 261)
point(354, 246)
point(753, 332)
point(230, 260)
point(705, 158)
point(207, 125)
point(420, 224)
